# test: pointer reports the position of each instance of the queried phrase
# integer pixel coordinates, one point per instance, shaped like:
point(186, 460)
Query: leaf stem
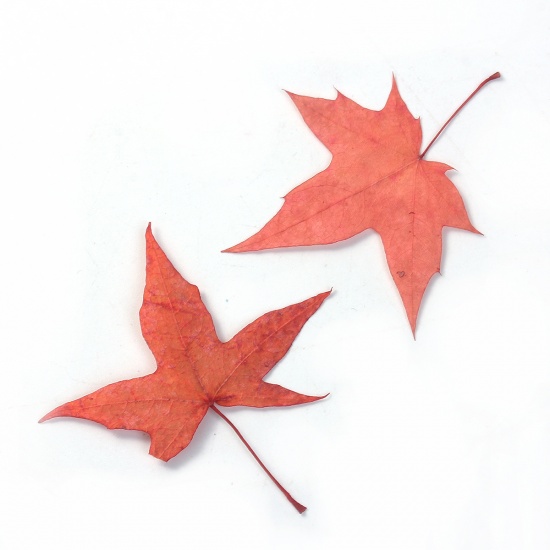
point(487, 80)
point(301, 508)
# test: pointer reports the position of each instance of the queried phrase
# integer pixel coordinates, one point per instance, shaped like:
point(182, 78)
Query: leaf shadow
point(426, 297)
point(206, 429)
point(237, 411)
point(130, 435)
point(121, 435)
point(194, 449)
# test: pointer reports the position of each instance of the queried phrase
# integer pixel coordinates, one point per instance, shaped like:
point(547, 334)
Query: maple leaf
point(195, 370)
point(377, 179)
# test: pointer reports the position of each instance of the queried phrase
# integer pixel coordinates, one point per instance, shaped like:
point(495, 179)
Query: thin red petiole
point(300, 507)
point(492, 77)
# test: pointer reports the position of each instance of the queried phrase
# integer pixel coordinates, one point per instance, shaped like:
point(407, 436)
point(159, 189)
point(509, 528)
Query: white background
point(116, 113)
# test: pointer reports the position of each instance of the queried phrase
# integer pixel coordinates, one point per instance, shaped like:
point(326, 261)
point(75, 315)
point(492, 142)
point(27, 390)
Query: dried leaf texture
point(195, 370)
point(378, 180)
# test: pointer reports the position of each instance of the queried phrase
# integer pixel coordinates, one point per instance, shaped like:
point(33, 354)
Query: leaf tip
point(319, 299)
point(394, 97)
point(412, 323)
point(326, 294)
point(50, 415)
point(248, 245)
point(292, 95)
point(310, 399)
point(231, 249)
point(474, 230)
point(393, 83)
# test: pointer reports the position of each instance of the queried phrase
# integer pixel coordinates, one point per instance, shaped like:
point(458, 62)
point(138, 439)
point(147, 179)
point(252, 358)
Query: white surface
point(114, 114)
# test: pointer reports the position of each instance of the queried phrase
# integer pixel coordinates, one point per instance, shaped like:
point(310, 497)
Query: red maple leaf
point(195, 370)
point(377, 179)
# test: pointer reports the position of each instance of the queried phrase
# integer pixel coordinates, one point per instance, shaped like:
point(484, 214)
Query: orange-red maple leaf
point(377, 179)
point(195, 370)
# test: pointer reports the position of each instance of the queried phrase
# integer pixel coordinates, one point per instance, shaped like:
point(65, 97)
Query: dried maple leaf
point(377, 179)
point(195, 371)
